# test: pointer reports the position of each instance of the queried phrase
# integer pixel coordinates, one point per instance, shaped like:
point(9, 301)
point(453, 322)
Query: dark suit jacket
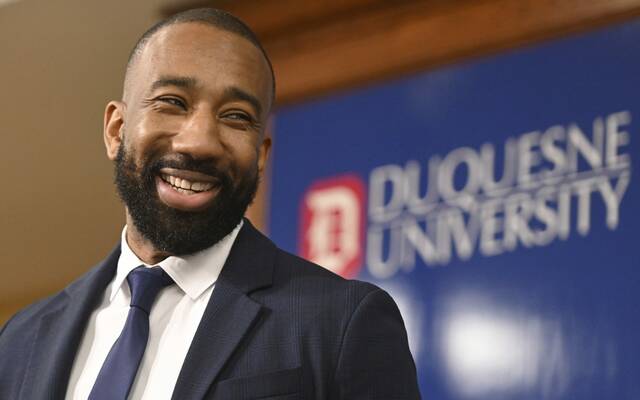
point(276, 327)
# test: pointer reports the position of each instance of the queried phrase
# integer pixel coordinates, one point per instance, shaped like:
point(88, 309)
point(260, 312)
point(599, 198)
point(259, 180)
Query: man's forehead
point(190, 47)
point(197, 42)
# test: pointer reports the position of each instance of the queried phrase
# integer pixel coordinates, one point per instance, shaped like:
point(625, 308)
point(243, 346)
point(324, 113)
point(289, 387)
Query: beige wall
point(60, 62)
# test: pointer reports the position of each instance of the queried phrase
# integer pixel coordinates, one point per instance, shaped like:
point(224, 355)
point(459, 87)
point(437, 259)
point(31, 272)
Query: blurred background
point(475, 158)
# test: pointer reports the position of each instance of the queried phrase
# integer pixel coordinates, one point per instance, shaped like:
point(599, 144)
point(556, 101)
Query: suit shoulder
point(312, 274)
point(35, 310)
point(32, 313)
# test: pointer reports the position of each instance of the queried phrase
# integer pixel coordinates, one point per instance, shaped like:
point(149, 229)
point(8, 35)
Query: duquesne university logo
point(526, 191)
point(332, 224)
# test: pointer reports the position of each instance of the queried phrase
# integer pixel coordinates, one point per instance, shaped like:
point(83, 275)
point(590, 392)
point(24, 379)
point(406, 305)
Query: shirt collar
point(193, 273)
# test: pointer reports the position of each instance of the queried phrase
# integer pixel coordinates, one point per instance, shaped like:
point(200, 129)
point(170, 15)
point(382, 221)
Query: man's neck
point(142, 247)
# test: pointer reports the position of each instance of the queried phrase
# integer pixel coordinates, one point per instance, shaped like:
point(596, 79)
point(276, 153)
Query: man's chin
point(178, 237)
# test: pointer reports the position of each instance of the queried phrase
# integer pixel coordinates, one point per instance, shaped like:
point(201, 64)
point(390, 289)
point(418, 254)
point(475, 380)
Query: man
point(195, 303)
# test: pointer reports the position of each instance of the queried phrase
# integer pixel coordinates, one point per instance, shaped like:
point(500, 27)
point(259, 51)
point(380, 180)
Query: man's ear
point(263, 153)
point(113, 127)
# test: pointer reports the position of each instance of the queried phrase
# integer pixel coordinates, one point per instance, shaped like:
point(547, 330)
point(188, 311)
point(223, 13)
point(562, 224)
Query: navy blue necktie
point(121, 365)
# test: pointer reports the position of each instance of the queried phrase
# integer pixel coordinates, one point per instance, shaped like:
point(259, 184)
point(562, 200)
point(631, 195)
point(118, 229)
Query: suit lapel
point(60, 332)
point(228, 318)
point(230, 313)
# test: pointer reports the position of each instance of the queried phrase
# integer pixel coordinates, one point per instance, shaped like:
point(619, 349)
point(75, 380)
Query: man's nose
point(199, 136)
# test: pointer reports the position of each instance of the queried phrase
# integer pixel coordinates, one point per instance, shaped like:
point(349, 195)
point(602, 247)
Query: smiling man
point(188, 138)
point(195, 303)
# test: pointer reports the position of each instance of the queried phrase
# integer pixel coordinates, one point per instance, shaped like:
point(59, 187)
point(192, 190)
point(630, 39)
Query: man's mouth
point(186, 190)
point(186, 186)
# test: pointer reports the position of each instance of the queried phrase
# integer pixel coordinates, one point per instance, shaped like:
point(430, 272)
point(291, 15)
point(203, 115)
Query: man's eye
point(173, 101)
point(238, 116)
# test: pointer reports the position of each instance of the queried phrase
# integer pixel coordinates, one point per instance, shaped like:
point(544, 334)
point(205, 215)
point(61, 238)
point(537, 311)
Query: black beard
point(174, 231)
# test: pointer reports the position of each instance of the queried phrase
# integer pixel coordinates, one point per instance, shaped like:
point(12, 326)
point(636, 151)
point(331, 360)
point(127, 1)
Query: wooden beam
point(269, 18)
point(400, 40)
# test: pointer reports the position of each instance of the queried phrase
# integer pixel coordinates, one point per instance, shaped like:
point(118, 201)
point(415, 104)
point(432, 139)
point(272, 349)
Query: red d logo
point(332, 227)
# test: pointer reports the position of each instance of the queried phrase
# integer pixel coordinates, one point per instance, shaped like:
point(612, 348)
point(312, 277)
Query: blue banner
point(498, 203)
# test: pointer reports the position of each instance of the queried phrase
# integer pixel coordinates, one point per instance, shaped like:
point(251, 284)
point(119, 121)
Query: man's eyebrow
point(235, 93)
point(185, 82)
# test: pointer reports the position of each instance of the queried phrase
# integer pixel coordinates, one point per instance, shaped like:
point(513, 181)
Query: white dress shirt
point(173, 321)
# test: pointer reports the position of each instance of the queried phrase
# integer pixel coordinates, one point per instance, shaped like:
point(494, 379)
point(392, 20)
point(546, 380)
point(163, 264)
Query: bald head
point(208, 16)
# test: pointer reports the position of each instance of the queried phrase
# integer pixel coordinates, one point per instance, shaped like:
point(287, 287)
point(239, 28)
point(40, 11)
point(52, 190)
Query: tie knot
point(145, 283)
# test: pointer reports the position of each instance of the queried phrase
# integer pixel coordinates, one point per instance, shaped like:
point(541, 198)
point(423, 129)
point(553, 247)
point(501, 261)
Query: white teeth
point(185, 186)
point(183, 183)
